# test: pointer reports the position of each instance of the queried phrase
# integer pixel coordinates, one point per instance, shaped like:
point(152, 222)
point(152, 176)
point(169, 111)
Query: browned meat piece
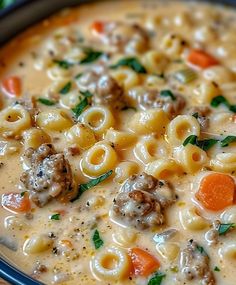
point(212, 236)
point(201, 113)
point(105, 89)
point(122, 37)
point(194, 264)
point(152, 99)
point(49, 176)
point(142, 201)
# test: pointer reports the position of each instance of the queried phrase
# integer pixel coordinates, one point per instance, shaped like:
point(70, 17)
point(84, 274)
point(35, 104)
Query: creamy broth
point(181, 55)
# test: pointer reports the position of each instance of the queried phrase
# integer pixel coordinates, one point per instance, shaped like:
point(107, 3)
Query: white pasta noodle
point(70, 100)
point(99, 159)
point(57, 73)
point(154, 61)
point(149, 149)
point(181, 127)
point(98, 119)
point(218, 74)
point(126, 77)
point(34, 137)
point(228, 251)
point(224, 162)
point(191, 157)
point(125, 169)
point(54, 120)
point(81, 136)
point(124, 237)
point(229, 215)
point(37, 244)
point(163, 168)
point(120, 139)
point(168, 250)
point(154, 81)
point(205, 92)
point(112, 263)
point(172, 45)
point(150, 121)
point(191, 220)
point(14, 119)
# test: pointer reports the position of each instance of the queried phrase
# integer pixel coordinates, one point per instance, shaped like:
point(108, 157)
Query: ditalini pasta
point(118, 145)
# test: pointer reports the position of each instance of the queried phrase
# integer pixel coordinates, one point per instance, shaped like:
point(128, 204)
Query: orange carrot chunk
point(16, 202)
point(12, 86)
point(201, 58)
point(143, 263)
point(97, 27)
point(216, 191)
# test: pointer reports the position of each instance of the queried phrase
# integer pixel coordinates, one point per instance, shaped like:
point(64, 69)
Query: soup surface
point(118, 145)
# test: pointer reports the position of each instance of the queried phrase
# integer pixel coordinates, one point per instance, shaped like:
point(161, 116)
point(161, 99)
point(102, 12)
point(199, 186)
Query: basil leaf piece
point(86, 94)
point(224, 228)
point(191, 139)
point(201, 250)
point(90, 55)
point(206, 144)
point(131, 62)
point(216, 268)
point(168, 93)
point(226, 141)
point(222, 100)
point(98, 242)
point(78, 75)
point(22, 194)
point(63, 64)
point(65, 89)
point(46, 102)
point(93, 182)
point(156, 279)
point(195, 115)
point(79, 108)
point(55, 217)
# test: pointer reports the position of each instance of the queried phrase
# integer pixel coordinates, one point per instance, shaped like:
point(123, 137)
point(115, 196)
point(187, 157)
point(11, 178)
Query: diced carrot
point(144, 263)
point(16, 202)
point(201, 58)
point(216, 191)
point(97, 27)
point(12, 85)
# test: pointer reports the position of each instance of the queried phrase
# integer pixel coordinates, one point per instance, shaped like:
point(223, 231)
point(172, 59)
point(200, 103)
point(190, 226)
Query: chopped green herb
point(55, 217)
point(229, 139)
point(168, 93)
point(86, 94)
point(90, 55)
point(78, 75)
point(206, 144)
point(63, 64)
point(218, 100)
point(46, 101)
point(79, 108)
point(191, 139)
point(156, 279)
point(128, 108)
point(93, 182)
point(22, 194)
point(201, 250)
point(5, 3)
point(131, 62)
point(224, 228)
point(65, 89)
point(216, 268)
point(185, 75)
point(203, 144)
point(195, 115)
point(98, 242)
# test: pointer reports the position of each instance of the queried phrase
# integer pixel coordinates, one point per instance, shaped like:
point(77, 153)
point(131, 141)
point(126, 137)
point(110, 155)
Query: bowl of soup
point(118, 143)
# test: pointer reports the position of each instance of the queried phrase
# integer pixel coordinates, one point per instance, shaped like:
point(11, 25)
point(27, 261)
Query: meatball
point(49, 175)
point(142, 201)
point(124, 38)
point(201, 113)
point(147, 99)
point(194, 264)
point(105, 89)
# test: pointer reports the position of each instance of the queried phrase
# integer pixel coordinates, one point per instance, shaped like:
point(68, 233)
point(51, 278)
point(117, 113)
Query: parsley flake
point(156, 279)
point(224, 228)
point(90, 55)
point(55, 217)
point(79, 108)
point(168, 93)
point(65, 89)
point(98, 242)
point(46, 101)
point(226, 141)
point(218, 100)
point(131, 62)
point(63, 63)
